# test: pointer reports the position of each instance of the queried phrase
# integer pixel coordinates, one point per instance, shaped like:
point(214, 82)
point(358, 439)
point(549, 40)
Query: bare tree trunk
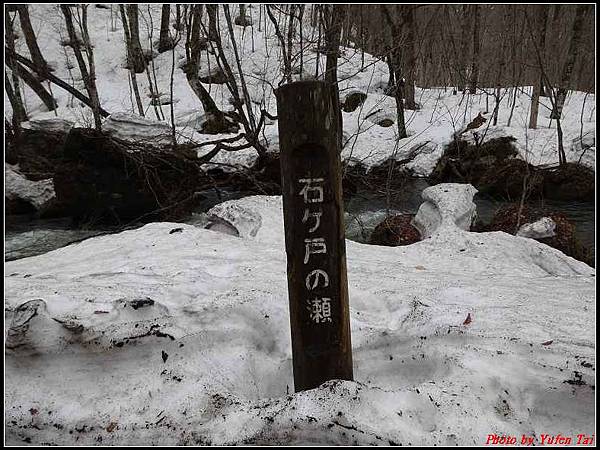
point(476, 47)
point(213, 113)
point(287, 68)
point(300, 20)
point(290, 30)
point(130, 61)
point(34, 83)
point(247, 101)
point(538, 84)
point(213, 32)
point(16, 102)
point(409, 58)
point(464, 51)
point(89, 77)
point(574, 49)
point(93, 90)
point(54, 79)
point(164, 40)
point(391, 80)
point(333, 33)
point(135, 48)
point(30, 39)
point(396, 62)
point(13, 90)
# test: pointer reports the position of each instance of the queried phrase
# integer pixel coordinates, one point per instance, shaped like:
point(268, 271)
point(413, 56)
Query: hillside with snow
point(178, 333)
point(429, 128)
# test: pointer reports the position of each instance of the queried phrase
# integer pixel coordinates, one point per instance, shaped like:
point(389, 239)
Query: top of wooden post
point(306, 105)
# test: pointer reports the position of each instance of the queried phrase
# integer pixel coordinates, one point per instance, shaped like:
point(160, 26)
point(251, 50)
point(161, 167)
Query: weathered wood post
point(309, 144)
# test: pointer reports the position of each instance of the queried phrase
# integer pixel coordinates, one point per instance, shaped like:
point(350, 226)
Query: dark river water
point(367, 209)
point(25, 237)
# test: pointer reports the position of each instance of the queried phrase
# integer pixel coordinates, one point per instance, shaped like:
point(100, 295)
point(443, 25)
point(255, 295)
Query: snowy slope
point(172, 334)
point(440, 116)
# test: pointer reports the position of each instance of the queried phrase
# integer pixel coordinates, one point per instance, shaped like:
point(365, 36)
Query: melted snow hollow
point(173, 334)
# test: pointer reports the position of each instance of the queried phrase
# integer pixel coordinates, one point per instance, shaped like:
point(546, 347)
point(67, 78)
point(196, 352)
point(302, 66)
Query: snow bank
point(446, 206)
point(131, 127)
point(51, 124)
point(173, 334)
point(17, 187)
point(254, 217)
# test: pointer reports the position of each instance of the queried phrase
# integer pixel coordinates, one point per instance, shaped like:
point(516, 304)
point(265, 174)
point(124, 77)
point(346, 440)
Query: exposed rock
point(506, 179)
point(382, 118)
point(214, 75)
point(109, 180)
point(389, 173)
point(525, 223)
point(353, 99)
point(396, 230)
point(218, 123)
point(446, 206)
point(38, 149)
point(385, 123)
point(475, 123)
point(491, 167)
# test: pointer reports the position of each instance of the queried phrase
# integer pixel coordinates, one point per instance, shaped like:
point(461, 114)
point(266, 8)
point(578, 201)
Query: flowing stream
point(25, 237)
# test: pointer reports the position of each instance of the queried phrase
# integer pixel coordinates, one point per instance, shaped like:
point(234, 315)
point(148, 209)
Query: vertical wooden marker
point(309, 143)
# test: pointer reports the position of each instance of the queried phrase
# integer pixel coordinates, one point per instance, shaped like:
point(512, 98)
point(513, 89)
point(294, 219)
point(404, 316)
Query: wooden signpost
point(309, 141)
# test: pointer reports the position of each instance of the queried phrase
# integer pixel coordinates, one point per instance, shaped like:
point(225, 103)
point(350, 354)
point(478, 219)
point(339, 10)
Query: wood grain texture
point(313, 212)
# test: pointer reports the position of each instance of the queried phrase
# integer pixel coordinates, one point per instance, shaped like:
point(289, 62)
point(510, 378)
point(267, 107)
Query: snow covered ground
point(441, 113)
point(174, 334)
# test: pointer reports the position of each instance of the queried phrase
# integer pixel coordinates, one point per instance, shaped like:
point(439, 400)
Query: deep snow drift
point(173, 334)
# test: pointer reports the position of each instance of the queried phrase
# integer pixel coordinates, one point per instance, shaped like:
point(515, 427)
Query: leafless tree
point(88, 71)
point(474, 79)
point(31, 40)
point(567, 72)
point(131, 59)
point(13, 88)
point(538, 85)
point(396, 67)
point(136, 57)
point(164, 41)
